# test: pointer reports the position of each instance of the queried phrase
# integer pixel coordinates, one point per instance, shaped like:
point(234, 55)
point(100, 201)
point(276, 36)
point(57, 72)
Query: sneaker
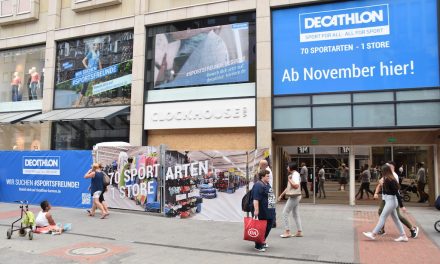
point(414, 232)
point(369, 235)
point(382, 232)
point(401, 239)
point(265, 245)
point(260, 249)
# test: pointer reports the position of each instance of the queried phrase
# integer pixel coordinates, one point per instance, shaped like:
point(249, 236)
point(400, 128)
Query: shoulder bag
point(292, 192)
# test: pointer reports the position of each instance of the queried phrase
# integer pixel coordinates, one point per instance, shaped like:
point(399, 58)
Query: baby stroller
point(406, 189)
point(27, 222)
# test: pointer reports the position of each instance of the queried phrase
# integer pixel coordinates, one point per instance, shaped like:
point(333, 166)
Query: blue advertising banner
point(56, 176)
point(355, 46)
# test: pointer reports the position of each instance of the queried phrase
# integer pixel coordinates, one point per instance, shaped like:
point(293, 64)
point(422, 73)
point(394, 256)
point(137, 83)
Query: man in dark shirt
point(264, 204)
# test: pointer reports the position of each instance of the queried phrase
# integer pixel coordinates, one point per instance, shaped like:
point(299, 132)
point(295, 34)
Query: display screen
point(203, 56)
point(354, 46)
point(94, 71)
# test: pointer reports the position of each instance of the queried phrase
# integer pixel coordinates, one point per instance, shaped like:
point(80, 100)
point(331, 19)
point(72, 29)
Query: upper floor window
point(17, 11)
point(5, 8)
point(23, 6)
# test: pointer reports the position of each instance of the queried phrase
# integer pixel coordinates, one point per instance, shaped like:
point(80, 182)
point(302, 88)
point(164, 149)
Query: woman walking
point(293, 192)
point(390, 195)
point(97, 187)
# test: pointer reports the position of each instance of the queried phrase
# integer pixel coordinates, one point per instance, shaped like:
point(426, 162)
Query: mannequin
point(35, 83)
point(16, 87)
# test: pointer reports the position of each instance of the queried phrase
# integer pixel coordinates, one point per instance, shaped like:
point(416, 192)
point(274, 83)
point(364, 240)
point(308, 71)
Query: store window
point(84, 134)
point(22, 74)
point(94, 71)
point(20, 137)
point(201, 53)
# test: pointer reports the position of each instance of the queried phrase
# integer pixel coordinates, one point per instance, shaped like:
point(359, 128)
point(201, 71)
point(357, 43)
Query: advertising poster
point(203, 56)
point(355, 46)
point(56, 176)
point(94, 71)
point(134, 174)
point(209, 185)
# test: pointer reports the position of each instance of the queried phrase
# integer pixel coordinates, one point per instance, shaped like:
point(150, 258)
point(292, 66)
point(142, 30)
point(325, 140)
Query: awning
point(76, 114)
point(14, 117)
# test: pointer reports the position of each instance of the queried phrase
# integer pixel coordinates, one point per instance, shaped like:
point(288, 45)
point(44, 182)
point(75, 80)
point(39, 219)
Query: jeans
point(389, 209)
point(33, 95)
point(292, 205)
point(401, 217)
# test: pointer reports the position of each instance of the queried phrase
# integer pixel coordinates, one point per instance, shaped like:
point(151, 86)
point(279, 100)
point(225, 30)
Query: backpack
point(437, 203)
point(247, 202)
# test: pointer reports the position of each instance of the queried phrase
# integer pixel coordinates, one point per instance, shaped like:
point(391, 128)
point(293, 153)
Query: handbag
point(105, 179)
point(254, 230)
point(292, 192)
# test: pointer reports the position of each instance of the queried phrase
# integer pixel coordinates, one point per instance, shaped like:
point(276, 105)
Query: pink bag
point(254, 230)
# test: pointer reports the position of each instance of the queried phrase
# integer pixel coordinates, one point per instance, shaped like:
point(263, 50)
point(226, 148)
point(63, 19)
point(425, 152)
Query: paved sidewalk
point(332, 234)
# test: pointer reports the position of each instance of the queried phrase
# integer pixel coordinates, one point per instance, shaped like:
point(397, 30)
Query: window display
point(204, 52)
point(94, 71)
point(22, 72)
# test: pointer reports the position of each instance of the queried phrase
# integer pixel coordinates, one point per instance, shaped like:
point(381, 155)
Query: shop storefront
point(200, 83)
point(93, 77)
point(21, 93)
point(353, 88)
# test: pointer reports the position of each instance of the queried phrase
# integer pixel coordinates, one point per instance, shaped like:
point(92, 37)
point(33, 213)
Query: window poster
point(94, 71)
point(203, 56)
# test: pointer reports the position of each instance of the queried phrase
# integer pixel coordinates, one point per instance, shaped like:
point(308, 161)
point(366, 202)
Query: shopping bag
point(254, 230)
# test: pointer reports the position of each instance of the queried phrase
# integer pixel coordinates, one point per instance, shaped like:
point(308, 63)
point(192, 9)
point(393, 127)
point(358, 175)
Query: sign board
point(355, 46)
point(303, 150)
point(344, 150)
point(56, 176)
point(200, 114)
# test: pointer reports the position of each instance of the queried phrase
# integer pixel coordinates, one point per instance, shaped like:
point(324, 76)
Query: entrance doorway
point(337, 166)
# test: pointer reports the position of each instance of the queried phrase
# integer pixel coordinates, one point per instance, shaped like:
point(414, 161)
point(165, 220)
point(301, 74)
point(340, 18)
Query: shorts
point(96, 194)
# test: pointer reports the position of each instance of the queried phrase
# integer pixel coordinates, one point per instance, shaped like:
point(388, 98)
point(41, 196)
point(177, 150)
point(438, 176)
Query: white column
point(352, 187)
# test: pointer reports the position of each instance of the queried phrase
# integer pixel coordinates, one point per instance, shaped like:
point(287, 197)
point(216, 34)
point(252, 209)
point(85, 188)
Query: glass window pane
point(24, 6)
point(287, 118)
point(373, 115)
point(331, 116)
point(6, 8)
point(418, 95)
point(418, 114)
point(291, 100)
point(22, 75)
point(373, 97)
point(331, 99)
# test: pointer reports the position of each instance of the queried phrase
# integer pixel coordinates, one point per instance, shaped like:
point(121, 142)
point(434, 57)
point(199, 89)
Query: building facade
point(312, 81)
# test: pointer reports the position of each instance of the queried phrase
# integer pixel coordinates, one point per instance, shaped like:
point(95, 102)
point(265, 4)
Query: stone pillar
point(53, 22)
point(264, 79)
point(137, 85)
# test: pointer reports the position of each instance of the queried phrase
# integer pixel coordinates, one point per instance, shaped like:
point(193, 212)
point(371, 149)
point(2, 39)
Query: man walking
point(304, 174)
point(421, 182)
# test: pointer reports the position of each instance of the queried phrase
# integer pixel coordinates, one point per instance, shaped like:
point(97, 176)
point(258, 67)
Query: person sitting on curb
point(45, 222)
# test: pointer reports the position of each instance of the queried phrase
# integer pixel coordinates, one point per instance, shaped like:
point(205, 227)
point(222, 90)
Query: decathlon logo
point(365, 21)
point(49, 165)
point(252, 232)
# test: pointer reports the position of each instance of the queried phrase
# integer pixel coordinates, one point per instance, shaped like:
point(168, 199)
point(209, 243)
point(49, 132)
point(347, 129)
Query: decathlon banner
point(56, 176)
point(355, 45)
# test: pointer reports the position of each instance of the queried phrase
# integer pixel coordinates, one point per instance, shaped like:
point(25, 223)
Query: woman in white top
point(45, 222)
point(292, 204)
